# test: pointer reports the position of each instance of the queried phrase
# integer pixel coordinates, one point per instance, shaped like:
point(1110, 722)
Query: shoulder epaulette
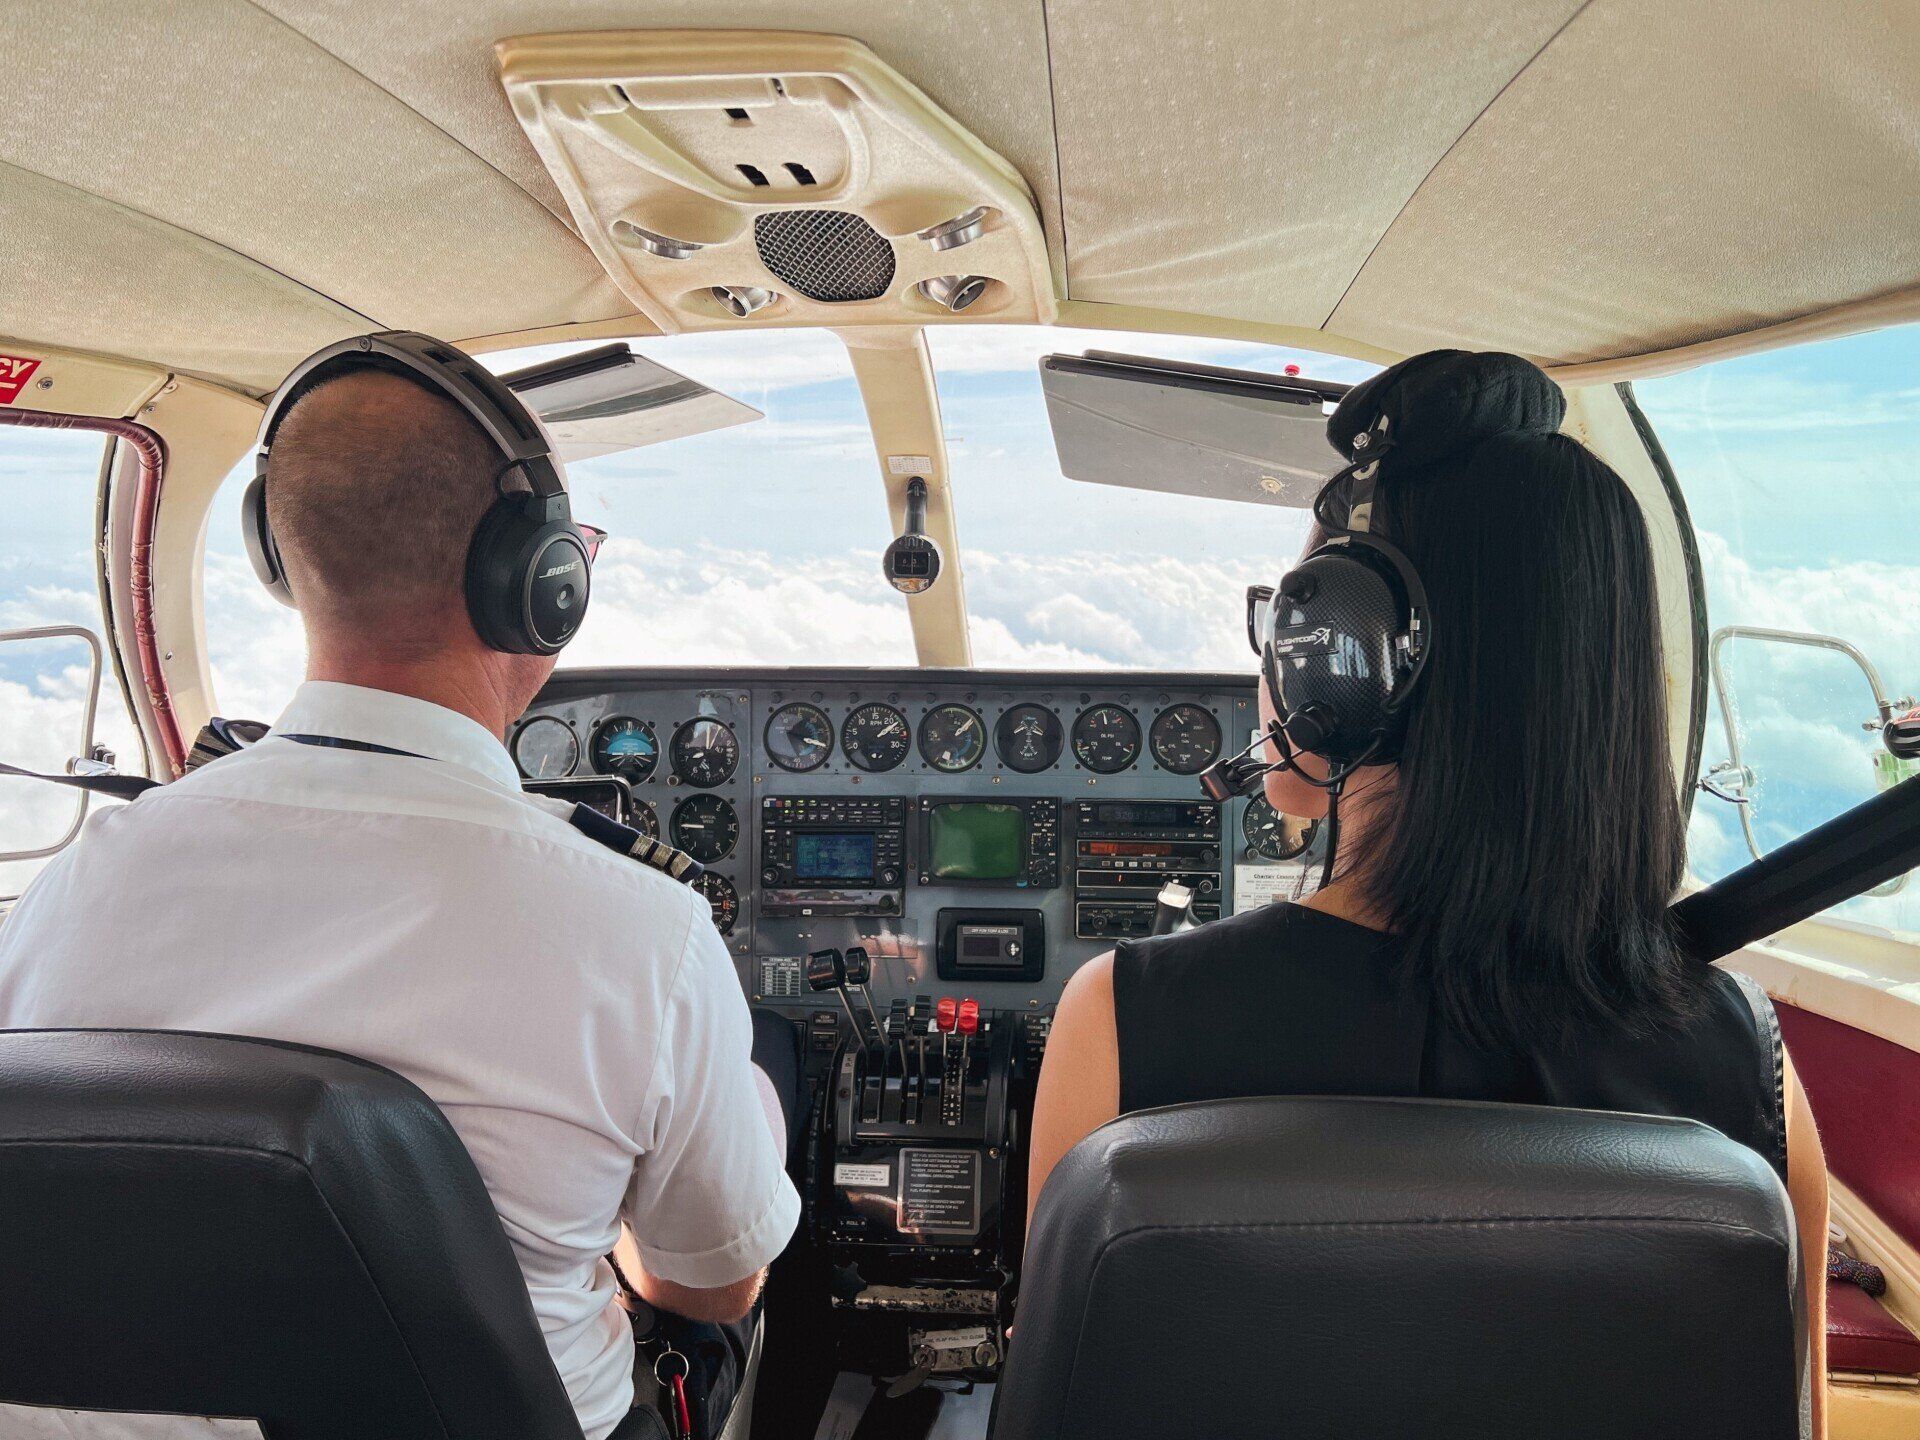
point(630, 842)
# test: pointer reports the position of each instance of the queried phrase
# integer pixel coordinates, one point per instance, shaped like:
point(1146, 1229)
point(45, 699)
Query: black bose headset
point(528, 572)
point(1344, 638)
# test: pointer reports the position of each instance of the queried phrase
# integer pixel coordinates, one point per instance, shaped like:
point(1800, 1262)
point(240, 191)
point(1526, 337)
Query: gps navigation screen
point(975, 841)
point(842, 857)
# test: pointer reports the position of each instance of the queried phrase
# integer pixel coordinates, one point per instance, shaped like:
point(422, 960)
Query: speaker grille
point(827, 255)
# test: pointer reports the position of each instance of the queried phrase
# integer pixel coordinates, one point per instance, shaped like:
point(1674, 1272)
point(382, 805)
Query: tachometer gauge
point(1185, 739)
point(1106, 739)
point(799, 736)
point(644, 820)
point(1273, 836)
point(706, 827)
point(724, 899)
point(545, 748)
point(1029, 738)
point(876, 737)
point(705, 753)
point(625, 747)
point(952, 738)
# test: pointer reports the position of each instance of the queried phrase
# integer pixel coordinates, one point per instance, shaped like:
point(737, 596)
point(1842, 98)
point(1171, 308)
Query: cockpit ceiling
point(219, 186)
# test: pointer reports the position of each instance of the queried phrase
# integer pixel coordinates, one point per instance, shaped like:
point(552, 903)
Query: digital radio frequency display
point(834, 857)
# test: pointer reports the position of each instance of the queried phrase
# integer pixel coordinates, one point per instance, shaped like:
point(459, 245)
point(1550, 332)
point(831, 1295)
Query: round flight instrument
point(1185, 739)
point(1029, 738)
point(952, 738)
point(876, 737)
point(625, 747)
point(1274, 836)
point(724, 899)
point(645, 820)
point(1106, 739)
point(705, 753)
point(706, 827)
point(799, 737)
point(545, 748)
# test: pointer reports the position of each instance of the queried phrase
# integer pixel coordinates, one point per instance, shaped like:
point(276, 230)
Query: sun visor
point(1190, 429)
point(610, 399)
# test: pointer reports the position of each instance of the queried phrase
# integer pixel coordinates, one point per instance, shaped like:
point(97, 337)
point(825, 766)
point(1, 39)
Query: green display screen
point(968, 840)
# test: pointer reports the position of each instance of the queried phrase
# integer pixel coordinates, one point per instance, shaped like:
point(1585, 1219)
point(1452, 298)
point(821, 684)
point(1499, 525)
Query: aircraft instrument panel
point(991, 829)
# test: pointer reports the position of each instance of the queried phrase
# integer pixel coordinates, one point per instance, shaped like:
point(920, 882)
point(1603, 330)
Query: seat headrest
point(212, 1225)
point(1383, 1267)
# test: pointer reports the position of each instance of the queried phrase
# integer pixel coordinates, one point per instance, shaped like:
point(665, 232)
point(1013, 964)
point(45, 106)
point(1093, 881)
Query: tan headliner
point(218, 186)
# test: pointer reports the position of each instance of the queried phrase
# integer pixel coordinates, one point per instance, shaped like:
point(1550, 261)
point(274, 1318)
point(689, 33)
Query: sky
point(761, 544)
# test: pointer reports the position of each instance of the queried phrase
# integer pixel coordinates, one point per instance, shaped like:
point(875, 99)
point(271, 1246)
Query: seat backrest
point(210, 1225)
point(1376, 1268)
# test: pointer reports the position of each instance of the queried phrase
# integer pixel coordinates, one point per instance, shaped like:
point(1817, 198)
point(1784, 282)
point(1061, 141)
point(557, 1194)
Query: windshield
point(1798, 470)
point(760, 543)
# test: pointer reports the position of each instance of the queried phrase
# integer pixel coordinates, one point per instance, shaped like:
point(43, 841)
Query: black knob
point(1298, 586)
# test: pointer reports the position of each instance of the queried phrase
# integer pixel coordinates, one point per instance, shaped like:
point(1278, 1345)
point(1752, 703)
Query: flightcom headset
point(1344, 638)
point(528, 572)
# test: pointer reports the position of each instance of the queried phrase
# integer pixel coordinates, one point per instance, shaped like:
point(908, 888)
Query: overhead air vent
point(752, 177)
point(825, 255)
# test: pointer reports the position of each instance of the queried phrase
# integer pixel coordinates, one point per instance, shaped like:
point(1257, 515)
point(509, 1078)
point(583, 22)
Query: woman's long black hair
point(1536, 837)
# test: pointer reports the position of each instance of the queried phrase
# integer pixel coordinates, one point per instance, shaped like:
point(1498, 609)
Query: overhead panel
point(223, 123)
point(1665, 173)
point(985, 64)
point(787, 179)
point(1241, 160)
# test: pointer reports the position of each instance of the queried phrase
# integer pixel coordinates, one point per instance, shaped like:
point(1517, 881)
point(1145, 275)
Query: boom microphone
point(1240, 772)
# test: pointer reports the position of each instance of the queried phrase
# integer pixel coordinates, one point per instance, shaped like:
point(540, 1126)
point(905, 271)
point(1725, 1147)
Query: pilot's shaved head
point(375, 486)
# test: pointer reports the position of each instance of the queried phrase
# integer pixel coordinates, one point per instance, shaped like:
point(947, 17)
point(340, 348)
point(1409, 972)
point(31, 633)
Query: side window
point(48, 589)
point(1798, 467)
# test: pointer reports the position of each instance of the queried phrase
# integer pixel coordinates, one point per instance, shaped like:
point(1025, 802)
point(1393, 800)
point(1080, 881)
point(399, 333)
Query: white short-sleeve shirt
point(574, 1013)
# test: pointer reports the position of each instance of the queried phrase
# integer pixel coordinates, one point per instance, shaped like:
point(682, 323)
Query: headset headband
point(443, 370)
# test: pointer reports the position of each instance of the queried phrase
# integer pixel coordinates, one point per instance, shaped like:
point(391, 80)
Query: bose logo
point(559, 569)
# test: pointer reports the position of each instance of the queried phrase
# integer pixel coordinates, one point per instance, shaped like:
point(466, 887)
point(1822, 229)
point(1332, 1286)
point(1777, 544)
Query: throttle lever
point(827, 970)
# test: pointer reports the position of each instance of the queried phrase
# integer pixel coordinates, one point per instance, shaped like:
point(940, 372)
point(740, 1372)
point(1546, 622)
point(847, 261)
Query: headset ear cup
point(258, 536)
point(528, 576)
point(493, 592)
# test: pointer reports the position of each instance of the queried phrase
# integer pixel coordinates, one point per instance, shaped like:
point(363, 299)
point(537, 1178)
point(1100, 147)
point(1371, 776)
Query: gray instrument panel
point(624, 709)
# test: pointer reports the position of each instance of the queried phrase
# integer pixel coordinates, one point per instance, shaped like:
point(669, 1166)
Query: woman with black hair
point(1495, 926)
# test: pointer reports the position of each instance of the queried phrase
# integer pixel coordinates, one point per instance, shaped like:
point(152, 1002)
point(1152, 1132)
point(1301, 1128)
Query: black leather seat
point(209, 1225)
point(1407, 1268)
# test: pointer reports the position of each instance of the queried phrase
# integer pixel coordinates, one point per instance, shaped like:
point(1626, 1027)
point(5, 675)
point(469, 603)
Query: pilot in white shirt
point(573, 1012)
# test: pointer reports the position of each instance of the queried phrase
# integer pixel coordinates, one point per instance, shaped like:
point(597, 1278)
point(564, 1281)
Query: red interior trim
point(1865, 1094)
point(1862, 1335)
point(151, 452)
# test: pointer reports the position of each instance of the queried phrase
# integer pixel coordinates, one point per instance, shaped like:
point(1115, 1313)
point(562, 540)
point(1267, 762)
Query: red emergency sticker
point(15, 371)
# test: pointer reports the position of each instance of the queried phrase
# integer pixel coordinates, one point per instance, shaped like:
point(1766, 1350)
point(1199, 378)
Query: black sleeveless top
point(1284, 1000)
